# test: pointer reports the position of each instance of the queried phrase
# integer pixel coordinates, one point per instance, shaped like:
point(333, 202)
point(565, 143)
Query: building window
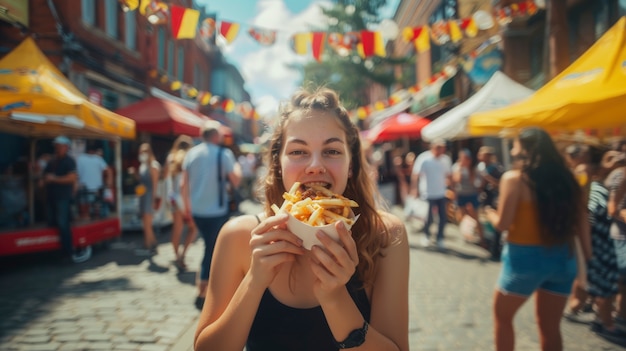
point(181, 62)
point(88, 10)
point(161, 48)
point(110, 13)
point(170, 58)
point(130, 25)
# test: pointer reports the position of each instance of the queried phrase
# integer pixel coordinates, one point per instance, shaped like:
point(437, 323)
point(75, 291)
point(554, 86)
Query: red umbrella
point(402, 125)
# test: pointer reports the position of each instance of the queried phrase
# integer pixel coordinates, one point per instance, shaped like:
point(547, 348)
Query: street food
point(316, 206)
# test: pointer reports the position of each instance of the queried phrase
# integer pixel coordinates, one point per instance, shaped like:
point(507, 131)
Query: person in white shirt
point(248, 171)
point(92, 172)
point(430, 179)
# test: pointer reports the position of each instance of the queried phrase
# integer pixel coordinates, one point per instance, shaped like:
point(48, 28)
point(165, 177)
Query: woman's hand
point(272, 245)
point(335, 263)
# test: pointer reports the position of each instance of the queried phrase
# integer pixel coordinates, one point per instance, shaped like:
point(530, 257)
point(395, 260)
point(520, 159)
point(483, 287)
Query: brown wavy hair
point(558, 195)
point(369, 232)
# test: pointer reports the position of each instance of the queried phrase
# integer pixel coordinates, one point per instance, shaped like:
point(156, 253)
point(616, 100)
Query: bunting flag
point(317, 44)
point(184, 22)
point(176, 85)
point(143, 5)
point(455, 31)
point(229, 31)
point(300, 43)
point(420, 38)
point(371, 44)
point(207, 30)
point(264, 37)
point(440, 32)
point(228, 105)
point(204, 98)
point(129, 5)
point(469, 26)
point(157, 12)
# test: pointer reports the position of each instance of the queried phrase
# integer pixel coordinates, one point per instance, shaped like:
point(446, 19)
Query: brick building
point(116, 57)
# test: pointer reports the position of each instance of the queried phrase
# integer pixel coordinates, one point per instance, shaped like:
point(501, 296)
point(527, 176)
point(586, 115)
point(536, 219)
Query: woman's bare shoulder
point(512, 176)
point(235, 234)
point(396, 228)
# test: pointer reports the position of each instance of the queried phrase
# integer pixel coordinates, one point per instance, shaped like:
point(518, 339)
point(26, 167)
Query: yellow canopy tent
point(588, 95)
point(37, 100)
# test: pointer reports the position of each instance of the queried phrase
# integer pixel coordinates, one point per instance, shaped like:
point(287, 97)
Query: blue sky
point(268, 80)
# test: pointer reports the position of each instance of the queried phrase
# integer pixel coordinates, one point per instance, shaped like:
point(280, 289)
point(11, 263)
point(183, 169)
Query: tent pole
point(506, 156)
point(32, 182)
point(118, 179)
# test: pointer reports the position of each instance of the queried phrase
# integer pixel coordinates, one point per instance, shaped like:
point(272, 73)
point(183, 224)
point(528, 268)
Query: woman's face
point(464, 159)
point(315, 151)
point(518, 154)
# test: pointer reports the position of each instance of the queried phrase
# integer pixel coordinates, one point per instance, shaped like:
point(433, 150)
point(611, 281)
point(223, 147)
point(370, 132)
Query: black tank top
point(278, 327)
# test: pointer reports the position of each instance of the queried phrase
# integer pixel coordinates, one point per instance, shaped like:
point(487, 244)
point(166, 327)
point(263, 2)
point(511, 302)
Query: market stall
point(38, 102)
point(588, 96)
point(498, 92)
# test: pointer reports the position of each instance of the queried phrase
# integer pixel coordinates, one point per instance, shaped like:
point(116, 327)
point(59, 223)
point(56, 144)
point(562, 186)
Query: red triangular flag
point(317, 44)
point(367, 39)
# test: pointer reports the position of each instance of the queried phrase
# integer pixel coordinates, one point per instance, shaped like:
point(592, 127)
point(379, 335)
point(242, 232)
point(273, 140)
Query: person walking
point(602, 272)
point(467, 182)
point(59, 178)
point(207, 170)
point(149, 200)
point(430, 179)
point(179, 219)
point(93, 172)
point(542, 206)
point(273, 294)
point(616, 183)
point(491, 171)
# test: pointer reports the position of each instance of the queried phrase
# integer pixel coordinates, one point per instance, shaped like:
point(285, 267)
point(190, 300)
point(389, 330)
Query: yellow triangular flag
point(455, 31)
point(379, 45)
point(422, 42)
point(143, 5)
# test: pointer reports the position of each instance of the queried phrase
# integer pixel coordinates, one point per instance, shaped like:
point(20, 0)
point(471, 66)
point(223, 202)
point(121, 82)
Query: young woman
point(542, 207)
point(270, 293)
point(173, 180)
point(602, 276)
point(467, 182)
point(149, 201)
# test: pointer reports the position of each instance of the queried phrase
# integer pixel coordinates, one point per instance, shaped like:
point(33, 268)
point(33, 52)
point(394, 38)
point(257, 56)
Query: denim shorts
point(462, 200)
point(526, 268)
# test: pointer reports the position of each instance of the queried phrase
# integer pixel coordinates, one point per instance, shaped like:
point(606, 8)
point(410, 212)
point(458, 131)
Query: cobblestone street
point(119, 301)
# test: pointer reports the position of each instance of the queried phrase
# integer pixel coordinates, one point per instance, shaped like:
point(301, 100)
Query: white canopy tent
point(499, 91)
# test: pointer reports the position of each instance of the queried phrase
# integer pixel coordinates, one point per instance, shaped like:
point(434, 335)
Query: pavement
point(120, 301)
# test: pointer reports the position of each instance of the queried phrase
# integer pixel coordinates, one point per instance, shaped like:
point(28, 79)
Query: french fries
point(316, 206)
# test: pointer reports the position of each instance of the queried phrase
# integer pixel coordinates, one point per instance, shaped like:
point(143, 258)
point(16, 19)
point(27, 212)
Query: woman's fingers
point(338, 259)
point(271, 229)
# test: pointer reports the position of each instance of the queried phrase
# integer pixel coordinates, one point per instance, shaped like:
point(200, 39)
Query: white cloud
point(266, 70)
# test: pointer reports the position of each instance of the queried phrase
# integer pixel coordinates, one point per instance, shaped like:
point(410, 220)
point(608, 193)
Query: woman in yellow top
point(542, 207)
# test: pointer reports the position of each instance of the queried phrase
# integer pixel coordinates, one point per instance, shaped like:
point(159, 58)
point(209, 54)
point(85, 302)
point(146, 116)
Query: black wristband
point(355, 338)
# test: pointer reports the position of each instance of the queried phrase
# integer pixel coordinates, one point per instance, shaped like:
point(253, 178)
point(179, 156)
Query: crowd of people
point(553, 213)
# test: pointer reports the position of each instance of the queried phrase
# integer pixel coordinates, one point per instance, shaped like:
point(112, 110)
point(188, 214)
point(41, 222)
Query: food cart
point(38, 102)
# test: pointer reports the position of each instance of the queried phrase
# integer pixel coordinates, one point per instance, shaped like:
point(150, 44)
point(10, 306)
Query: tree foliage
point(350, 75)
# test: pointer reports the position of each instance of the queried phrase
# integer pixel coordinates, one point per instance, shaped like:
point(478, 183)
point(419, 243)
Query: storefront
point(38, 103)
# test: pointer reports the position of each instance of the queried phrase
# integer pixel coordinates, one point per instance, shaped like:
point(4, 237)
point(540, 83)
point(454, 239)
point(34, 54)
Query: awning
point(402, 125)
point(499, 91)
point(590, 94)
point(166, 117)
point(37, 100)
